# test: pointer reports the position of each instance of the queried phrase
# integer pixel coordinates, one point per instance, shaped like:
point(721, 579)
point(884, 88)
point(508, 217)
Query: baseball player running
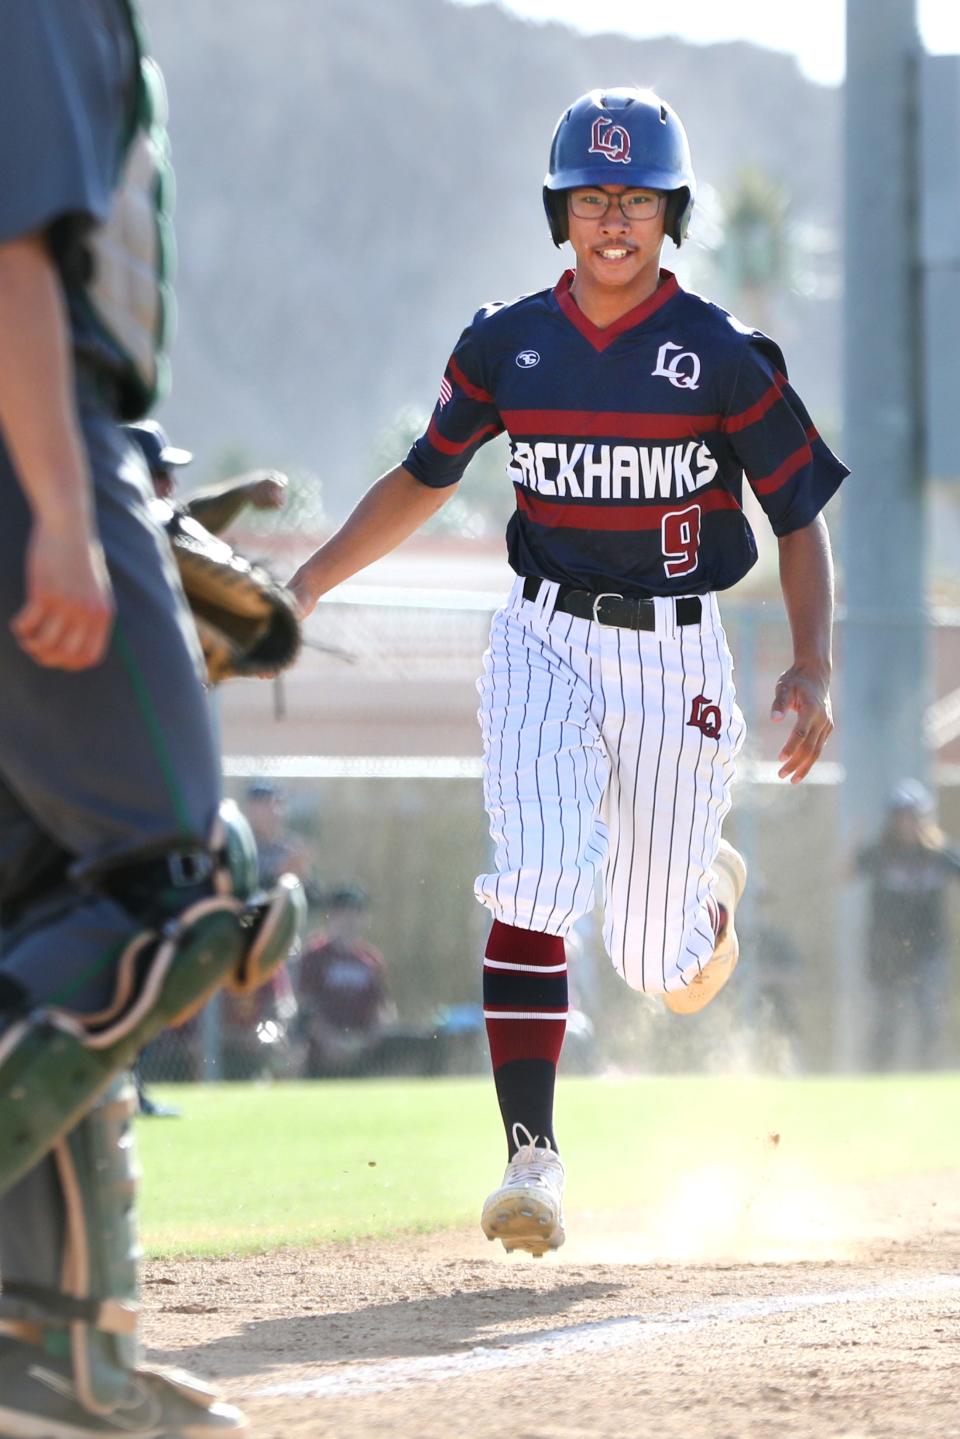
point(127, 889)
point(610, 725)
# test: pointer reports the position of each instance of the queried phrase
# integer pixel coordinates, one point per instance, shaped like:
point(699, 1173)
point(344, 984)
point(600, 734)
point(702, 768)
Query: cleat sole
point(523, 1223)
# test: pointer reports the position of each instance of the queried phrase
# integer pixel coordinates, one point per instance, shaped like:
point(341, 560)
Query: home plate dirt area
point(434, 1337)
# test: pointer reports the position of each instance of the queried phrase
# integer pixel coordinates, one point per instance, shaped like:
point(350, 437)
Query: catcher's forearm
point(215, 509)
point(806, 578)
point(36, 386)
point(391, 510)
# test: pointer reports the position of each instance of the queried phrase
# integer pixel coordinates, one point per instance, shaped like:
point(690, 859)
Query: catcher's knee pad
point(54, 1062)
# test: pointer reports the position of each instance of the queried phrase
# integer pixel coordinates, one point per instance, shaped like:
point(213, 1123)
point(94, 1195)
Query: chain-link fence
point(409, 829)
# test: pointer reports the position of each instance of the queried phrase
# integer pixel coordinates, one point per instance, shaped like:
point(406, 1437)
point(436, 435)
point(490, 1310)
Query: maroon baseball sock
point(525, 1008)
point(718, 916)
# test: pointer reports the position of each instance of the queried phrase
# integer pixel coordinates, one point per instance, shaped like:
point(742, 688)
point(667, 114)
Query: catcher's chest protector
point(129, 296)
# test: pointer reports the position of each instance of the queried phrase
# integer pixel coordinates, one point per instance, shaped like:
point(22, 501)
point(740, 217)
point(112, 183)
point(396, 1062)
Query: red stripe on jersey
point(584, 516)
point(598, 338)
point(472, 391)
point(756, 411)
point(769, 483)
point(457, 447)
point(607, 424)
point(813, 434)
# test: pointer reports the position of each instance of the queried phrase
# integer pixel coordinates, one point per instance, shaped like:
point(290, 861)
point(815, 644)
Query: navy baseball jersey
point(629, 444)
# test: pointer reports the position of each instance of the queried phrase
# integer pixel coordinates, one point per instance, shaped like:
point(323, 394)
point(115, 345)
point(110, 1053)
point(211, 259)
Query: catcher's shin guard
point(54, 1062)
point(90, 1318)
point(69, 1357)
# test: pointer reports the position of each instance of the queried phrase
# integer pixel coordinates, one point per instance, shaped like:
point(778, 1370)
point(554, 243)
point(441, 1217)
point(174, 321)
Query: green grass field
point(255, 1168)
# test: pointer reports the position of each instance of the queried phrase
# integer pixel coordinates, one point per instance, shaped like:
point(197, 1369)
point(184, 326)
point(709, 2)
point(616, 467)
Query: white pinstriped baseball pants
point(592, 768)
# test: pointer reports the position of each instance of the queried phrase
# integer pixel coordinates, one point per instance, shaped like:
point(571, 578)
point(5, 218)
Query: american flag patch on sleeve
point(446, 391)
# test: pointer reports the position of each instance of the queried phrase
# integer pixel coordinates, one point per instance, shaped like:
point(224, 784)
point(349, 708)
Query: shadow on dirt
point(440, 1324)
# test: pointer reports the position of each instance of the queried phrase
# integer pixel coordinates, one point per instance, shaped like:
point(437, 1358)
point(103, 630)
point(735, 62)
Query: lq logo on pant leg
point(705, 716)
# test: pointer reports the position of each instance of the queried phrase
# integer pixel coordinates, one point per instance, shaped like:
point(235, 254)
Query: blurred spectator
point(278, 851)
point(216, 506)
point(909, 866)
point(344, 1002)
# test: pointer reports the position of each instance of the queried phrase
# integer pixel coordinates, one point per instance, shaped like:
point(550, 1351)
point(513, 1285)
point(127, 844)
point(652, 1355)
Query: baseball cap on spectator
point(157, 449)
point(263, 789)
point(910, 794)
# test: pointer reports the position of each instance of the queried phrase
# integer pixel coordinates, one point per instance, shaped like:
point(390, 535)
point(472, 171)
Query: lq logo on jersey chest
point(681, 369)
point(611, 140)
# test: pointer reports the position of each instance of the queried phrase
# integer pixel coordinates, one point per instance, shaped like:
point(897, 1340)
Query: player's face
point(616, 232)
point(163, 484)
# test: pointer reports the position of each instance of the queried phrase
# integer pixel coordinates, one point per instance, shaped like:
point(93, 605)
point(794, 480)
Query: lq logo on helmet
point(610, 140)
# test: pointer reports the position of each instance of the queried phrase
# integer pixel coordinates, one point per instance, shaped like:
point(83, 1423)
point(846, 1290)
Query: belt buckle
point(607, 595)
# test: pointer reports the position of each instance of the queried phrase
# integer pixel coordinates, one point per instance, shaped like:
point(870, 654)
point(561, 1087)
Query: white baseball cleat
point(731, 873)
point(526, 1212)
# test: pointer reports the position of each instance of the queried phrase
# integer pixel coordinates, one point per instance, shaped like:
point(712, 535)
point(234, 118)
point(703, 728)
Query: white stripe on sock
point(526, 968)
point(519, 1014)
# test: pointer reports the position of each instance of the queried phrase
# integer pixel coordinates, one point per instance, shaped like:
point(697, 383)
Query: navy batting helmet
point(157, 450)
point(620, 137)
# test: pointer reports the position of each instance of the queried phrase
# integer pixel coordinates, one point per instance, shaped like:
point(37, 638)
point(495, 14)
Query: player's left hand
point(808, 694)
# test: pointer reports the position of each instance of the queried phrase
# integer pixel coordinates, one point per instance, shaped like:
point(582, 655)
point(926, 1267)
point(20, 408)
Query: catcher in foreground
point(128, 888)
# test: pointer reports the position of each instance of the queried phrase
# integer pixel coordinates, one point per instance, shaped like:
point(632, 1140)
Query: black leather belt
point(614, 609)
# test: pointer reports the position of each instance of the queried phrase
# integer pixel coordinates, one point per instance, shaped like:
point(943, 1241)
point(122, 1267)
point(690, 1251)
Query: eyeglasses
point(634, 204)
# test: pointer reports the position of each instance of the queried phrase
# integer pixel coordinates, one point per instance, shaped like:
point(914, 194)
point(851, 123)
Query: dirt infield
point(837, 1319)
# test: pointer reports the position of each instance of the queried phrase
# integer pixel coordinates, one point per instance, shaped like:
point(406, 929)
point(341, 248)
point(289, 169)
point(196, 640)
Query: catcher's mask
point(620, 137)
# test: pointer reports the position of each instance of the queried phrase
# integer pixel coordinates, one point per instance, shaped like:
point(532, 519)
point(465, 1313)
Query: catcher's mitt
point(247, 622)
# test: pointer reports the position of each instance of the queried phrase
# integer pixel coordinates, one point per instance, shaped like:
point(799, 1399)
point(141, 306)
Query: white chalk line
point(604, 1335)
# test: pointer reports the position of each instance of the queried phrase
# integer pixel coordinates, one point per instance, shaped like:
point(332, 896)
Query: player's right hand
point(67, 617)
